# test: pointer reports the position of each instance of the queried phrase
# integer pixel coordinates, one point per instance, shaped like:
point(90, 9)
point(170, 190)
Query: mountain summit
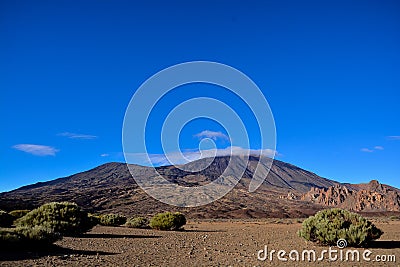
point(287, 191)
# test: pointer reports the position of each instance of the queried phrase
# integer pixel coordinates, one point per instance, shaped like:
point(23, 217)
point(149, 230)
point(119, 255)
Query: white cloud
point(177, 158)
point(104, 155)
point(394, 137)
point(77, 136)
point(212, 135)
point(367, 150)
point(37, 150)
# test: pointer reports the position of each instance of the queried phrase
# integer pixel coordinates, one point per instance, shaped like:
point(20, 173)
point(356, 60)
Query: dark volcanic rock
point(111, 188)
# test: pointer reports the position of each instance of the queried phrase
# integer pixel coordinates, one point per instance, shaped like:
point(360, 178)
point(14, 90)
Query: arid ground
point(203, 243)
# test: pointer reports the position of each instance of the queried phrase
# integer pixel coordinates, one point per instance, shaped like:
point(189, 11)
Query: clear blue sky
point(329, 69)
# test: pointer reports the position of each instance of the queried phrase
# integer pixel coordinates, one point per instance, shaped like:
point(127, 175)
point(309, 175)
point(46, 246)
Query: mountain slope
point(111, 188)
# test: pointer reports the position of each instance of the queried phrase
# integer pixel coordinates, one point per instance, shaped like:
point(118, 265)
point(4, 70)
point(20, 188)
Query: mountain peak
point(111, 187)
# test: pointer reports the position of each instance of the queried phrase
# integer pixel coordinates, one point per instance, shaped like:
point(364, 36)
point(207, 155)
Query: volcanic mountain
point(287, 191)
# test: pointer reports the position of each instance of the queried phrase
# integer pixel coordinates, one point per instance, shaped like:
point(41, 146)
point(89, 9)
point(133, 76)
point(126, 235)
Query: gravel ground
point(203, 243)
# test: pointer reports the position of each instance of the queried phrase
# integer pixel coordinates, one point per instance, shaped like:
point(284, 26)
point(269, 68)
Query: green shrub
point(112, 220)
point(27, 237)
point(38, 235)
point(138, 222)
point(63, 217)
point(18, 213)
point(168, 221)
point(328, 226)
point(94, 219)
point(6, 220)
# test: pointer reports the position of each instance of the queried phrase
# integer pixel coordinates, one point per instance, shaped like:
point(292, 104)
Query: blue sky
point(329, 70)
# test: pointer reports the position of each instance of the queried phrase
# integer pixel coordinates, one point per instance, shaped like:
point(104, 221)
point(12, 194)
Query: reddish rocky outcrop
point(331, 196)
point(290, 196)
point(360, 197)
point(111, 188)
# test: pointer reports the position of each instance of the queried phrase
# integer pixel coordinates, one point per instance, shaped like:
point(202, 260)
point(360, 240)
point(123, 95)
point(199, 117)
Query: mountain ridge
point(110, 187)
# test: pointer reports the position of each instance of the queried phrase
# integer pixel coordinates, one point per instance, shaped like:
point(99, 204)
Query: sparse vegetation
point(168, 221)
point(328, 226)
point(19, 213)
point(23, 237)
point(112, 220)
point(6, 220)
point(63, 217)
point(137, 222)
point(94, 219)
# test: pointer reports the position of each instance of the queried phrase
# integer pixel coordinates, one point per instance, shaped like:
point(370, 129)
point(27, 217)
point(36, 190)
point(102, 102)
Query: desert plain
point(203, 243)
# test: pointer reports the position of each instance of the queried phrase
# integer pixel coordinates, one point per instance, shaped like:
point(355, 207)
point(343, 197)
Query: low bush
point(112, 220)
point(137, 222)
point(27, 237)
point(94, 219)
point(168, 221)
point(38, 235)
point(18, 213)
point(328, 226)
point(9, 237)
point(6, 220)
point(63, 217)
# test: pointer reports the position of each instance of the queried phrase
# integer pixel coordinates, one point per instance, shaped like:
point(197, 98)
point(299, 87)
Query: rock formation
point(359, 197)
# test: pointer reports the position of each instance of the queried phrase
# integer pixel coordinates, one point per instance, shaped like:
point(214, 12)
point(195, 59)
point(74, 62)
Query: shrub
point(94, 219)
point(63, 217)
point(138, 222)
point(18, 213)
point(6, 220)
point(168, 221)
point(38, 235)
point(328, 226)
point(112, 220)
point(27, 237)
point(9, 237)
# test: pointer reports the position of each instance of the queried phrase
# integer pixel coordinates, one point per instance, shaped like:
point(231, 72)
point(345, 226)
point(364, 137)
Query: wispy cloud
point(37, 150)
point(394, 137)
point(104, 155)
point(77, 136)
point(177, 158)
point(212, 135)
point(368, 150)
